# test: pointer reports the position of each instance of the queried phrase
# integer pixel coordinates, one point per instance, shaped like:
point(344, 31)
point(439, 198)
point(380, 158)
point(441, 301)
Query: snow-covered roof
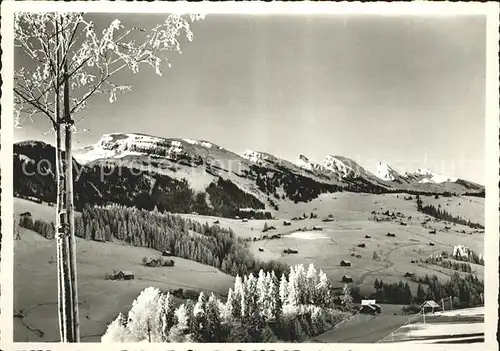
point(127, 272)
point(430, 303)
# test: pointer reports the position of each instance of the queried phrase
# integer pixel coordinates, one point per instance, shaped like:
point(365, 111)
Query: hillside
point(35, 288)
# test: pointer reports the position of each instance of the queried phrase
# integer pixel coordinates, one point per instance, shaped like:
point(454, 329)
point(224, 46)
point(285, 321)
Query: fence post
point(392, 335)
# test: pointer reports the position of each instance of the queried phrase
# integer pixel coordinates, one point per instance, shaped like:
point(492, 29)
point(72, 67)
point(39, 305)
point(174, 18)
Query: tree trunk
point(70, 218)
point(64, 281)
point(60, 290)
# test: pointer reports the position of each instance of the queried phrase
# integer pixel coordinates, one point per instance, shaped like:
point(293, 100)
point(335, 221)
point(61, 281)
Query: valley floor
point(338, 240)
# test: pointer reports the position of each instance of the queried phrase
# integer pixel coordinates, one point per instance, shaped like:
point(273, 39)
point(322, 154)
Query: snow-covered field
point(463, 326)
point(309, 235)
point(35, 285)
point(437, 329)
point(338, 239)
point(476, 311)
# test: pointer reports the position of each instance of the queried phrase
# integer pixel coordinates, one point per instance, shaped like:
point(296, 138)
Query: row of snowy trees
point(457, 266)
point(439, 213)
point(468, 288)
point(208, 244)
point(45, 229)
point(259, 308)
point(394, 293)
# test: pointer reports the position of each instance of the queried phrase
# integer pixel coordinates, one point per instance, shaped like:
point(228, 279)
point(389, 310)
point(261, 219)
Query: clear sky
point(409, 91)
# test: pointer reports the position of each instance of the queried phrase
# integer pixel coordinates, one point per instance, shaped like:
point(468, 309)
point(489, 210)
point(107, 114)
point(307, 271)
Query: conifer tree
point(311, 278)
point(213, 322)
point(323, 290)
point(293, 295)
point(181, 328)
point(346, 298)
point(199, 318)
point(116, 331)
point(261, 288)
point(429, 294)
point(238, 295)
point(229, 307)
point(283, 290)
point(251, 297)
point(143, 322)
point(275, 305)
point(166, 314)
point(300, 283)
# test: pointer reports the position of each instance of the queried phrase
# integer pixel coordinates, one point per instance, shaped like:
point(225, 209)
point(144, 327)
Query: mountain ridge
point(335, 163)
point(215, 180)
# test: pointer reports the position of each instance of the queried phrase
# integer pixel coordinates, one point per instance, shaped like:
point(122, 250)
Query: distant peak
point(201, 143)
point(386, 172)
point(255, 156)
point(303, 158)
point(303, 162)
point(425, 175)
point(341, 166)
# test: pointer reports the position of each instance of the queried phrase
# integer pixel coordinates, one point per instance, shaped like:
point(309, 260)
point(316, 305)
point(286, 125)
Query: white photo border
point(492, 240)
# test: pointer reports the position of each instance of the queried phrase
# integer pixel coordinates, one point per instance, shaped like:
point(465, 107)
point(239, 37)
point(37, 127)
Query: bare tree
point(69, 63)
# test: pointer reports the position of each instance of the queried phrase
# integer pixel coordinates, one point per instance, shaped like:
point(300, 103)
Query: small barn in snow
point(345, 263)
point(347, 279)
point(368, 309)
point(125, 275)
point(372, 306)
point(430, 306)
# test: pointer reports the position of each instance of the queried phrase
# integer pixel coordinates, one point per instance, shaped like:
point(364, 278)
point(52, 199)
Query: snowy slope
point(424, 175)
point(386, 172)
point(342, 166)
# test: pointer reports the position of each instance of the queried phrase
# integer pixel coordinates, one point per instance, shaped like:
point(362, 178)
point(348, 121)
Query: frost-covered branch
point(92, 59)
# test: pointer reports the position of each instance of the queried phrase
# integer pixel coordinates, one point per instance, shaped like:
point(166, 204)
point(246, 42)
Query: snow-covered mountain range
point(120, 145)
point(260, 179)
